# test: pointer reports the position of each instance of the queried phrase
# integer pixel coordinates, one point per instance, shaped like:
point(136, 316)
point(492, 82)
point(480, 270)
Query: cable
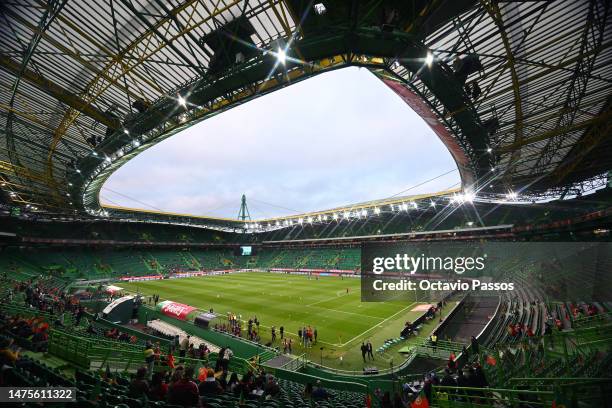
point(422, 183)
point(277, 206)
point(133, 199)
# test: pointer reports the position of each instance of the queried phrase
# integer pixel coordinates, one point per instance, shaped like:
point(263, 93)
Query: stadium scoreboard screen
point(246, 251)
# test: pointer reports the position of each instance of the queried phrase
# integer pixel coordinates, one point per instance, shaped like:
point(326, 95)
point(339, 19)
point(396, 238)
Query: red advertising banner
point(176, 310)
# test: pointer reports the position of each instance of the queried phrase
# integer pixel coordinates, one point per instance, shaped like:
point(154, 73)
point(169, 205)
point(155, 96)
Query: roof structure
point(519, 91)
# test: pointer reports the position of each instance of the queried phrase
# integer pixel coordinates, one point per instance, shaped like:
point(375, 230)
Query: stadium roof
point(519, 92)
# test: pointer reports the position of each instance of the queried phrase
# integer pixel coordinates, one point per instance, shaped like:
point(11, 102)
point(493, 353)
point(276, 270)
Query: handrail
point(500, 390)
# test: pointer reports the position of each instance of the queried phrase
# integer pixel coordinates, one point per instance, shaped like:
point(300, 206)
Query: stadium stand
point(517, 91)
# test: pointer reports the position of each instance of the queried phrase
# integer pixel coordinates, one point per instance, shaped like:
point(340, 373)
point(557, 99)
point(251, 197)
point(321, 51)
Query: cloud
point(338, 138)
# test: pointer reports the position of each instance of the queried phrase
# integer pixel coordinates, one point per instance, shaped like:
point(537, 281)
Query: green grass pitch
point(294, 301)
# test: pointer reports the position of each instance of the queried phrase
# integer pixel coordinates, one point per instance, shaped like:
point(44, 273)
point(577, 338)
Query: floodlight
point(300, 221)
point(78, 171)
point(95, 154)
point(347, 214)
point(70, 184)
point(376, 210)
point(324, 217)
point(277, 223)
point(512, 195)
point(281, 56)
point(414, 205)
point(429, 58)
point(364, 213)
point(489, 150)
point(432, 204)
point(182, 101)
point(404, 206)
point(468, 196)
point(136, 143)
point(335, 216)
point(470, 223)
point(127, 132)
point(319, 8)
point(310, 220)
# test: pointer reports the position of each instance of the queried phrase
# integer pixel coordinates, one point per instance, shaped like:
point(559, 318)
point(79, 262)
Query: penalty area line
point(376, 325)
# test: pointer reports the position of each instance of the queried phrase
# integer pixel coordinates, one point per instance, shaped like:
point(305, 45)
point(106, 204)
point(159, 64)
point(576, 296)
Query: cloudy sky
point(339, 138)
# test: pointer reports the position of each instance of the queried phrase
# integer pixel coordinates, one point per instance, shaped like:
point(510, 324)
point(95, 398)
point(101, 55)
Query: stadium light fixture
point(364, 213)
point(182, 101)
point(310, 220)
point(470, 223)
point(277, 223)
point(347, 214)
point(300, 221)
point(320, 9)
point(489, 150)
point(512, 195)
point(281, 56)
point(415, 205)
point(95, 153)
point(324, 217)
point(469, 196)
point(429, 59)
point(136, 143)
point(376, 210)
point(432, 204)
point(78, 171)
point(70, 184)
point(404, 206)
point(127, 132)
point(335, 217)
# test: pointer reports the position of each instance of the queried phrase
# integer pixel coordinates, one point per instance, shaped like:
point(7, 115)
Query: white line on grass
point(375, 326)
point(351, 313)
point(327, 300)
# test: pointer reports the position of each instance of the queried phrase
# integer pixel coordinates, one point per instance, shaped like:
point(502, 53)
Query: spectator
point(475, 346)
point(272, 389)
point(319, 393)
point(308, 391)
point(184, 392)
point(8, 354)
point(227, 355)
point(210, 386)
point(159, 388)
point(184, 346)
point(139, 386)
point(233, 382)
point(149, 355)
